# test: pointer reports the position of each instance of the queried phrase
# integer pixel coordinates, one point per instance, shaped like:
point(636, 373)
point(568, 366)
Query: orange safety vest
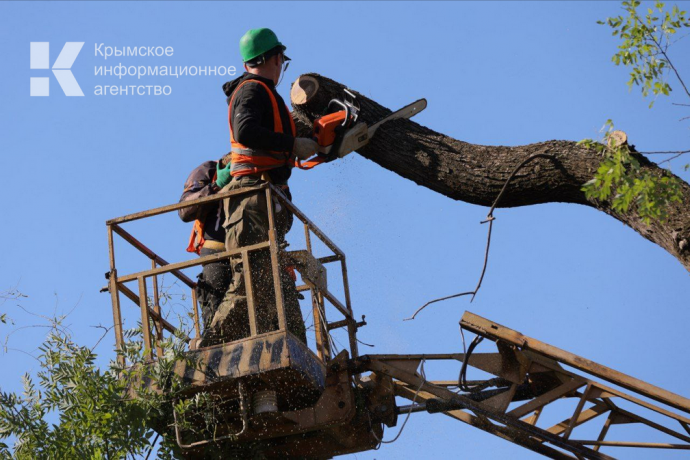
point(246, 160)
point(196, 239)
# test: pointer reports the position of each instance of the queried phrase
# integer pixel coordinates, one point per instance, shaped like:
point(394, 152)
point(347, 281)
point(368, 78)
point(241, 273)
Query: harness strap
point(196, 238)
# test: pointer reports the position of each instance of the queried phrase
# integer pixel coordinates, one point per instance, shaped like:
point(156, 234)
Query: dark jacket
point(252, 119)
point(200, 184)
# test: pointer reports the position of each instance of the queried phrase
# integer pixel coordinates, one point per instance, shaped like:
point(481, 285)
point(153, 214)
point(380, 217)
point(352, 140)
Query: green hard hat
point(257, 42)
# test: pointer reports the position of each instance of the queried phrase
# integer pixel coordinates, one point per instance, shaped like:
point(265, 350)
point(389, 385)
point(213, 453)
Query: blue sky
point(494, 73)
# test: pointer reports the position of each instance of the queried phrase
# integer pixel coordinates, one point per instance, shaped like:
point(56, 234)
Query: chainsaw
point(338, 133)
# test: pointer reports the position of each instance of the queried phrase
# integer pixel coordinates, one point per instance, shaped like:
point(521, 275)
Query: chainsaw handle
point(347, 108)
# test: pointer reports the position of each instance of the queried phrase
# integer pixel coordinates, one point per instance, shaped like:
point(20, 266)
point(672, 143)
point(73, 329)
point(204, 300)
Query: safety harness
point(246, 161)
point(196, 239)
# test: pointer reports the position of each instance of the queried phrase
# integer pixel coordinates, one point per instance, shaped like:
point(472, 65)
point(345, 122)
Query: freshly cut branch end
point(304, 88)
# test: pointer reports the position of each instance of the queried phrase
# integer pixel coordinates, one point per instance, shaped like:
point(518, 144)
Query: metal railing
point(151, 309)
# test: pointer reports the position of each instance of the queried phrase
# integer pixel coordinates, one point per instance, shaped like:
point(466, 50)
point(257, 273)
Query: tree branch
point(476, 173)
point(663, 51)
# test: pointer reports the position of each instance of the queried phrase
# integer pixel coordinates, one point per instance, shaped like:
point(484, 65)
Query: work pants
point(212, 283)
point(246, 224)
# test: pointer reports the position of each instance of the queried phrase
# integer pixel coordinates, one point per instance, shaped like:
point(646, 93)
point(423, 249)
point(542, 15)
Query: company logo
point(40, 59)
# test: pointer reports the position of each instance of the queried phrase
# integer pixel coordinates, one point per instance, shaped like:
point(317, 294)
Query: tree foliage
point(644, 46)
point(621, 179)
point(72, 400)
point(72, 409)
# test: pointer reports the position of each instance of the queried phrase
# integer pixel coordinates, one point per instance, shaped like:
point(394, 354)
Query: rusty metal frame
point(532, 378)
point(152, 313)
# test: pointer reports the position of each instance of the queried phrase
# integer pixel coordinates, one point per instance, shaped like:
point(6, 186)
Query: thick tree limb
point(476, 173)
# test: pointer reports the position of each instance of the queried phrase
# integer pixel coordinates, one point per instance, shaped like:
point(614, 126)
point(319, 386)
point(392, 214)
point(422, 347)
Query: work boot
point(231, 321)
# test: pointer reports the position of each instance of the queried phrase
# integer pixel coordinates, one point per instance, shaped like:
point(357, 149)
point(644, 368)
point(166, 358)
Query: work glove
point(223, 176)
point(303, 148)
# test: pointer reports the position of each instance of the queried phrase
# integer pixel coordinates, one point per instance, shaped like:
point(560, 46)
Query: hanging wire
point(462, 378)
point(490, 220)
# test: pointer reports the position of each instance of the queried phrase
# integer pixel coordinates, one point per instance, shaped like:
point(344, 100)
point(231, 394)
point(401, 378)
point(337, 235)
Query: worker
point(264, 149)
point(208, 237)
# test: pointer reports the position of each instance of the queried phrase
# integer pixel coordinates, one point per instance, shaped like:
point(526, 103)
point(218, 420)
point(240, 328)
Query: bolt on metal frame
point(159, 266)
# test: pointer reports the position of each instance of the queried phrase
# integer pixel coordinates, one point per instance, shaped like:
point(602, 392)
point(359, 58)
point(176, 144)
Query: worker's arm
point(251, 112)
point(199, 184)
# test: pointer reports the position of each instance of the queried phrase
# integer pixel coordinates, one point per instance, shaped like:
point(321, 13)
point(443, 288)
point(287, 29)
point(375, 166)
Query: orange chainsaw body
point(325, 127)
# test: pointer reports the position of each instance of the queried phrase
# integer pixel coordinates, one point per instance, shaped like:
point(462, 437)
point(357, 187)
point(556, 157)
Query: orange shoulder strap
point(196, 239)
point(277, 122)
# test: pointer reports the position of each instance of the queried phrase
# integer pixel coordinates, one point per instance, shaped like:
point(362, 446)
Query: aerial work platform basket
point(271, 392)
point(274, 396)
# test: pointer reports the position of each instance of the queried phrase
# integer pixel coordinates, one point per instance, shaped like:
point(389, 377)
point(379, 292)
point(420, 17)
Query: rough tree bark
point(476, 173)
